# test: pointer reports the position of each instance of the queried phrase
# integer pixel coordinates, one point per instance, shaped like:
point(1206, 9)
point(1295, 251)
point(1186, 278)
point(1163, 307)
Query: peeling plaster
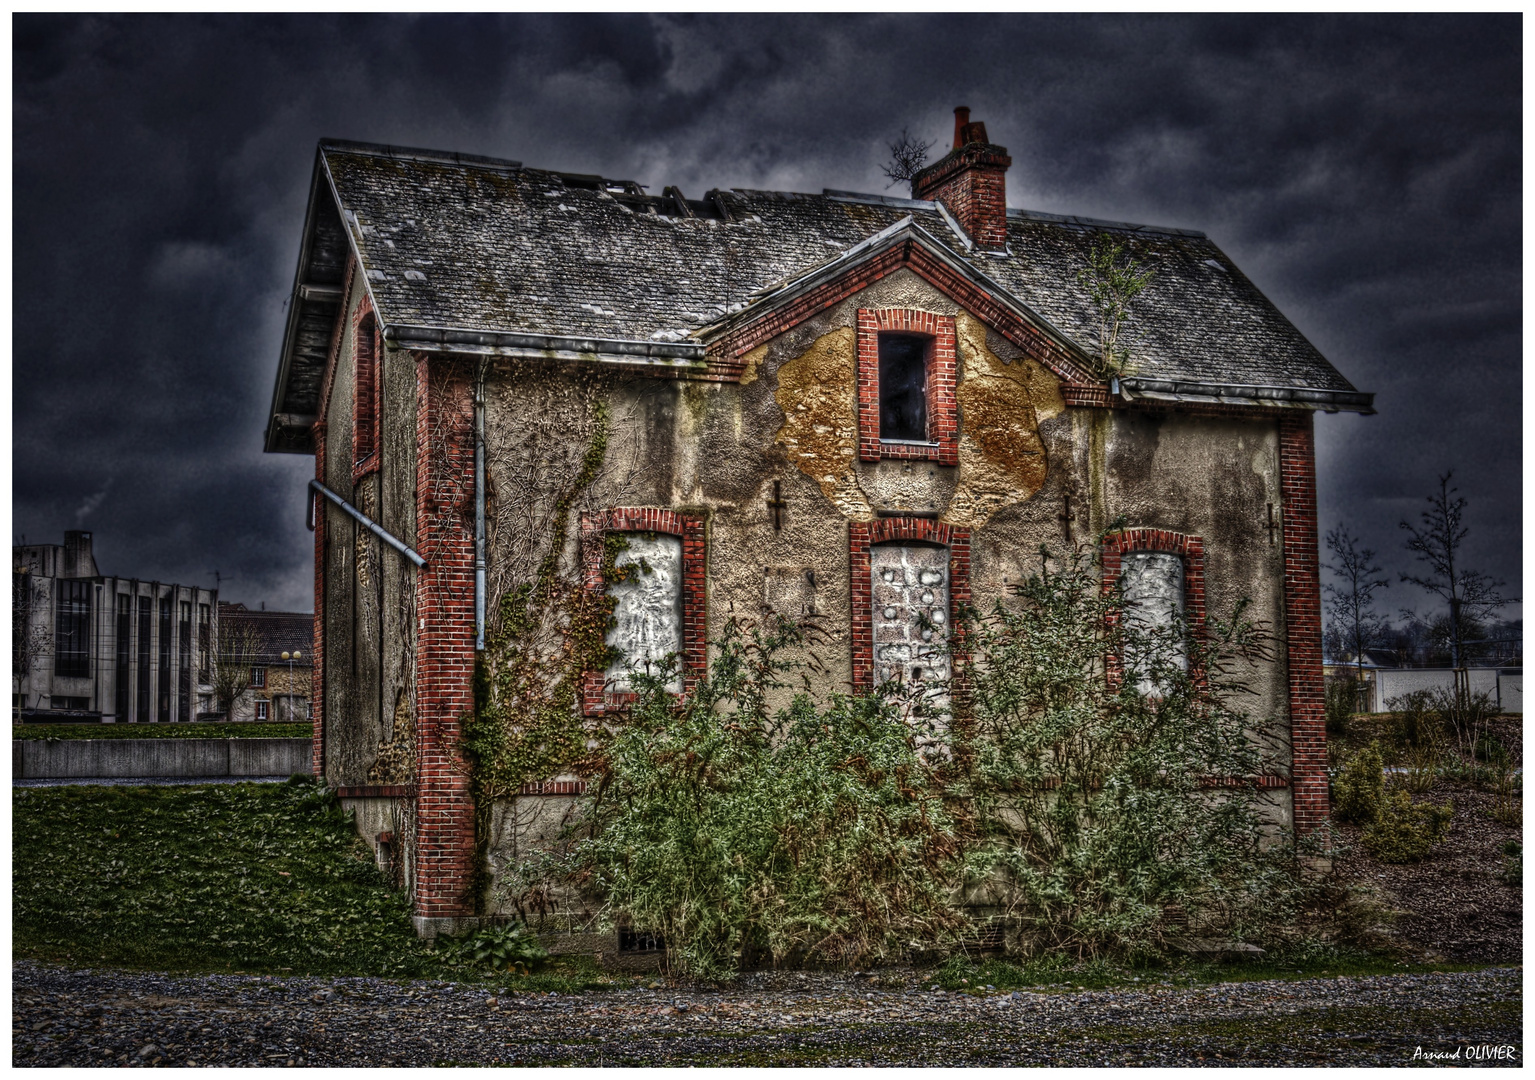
point(818, 396)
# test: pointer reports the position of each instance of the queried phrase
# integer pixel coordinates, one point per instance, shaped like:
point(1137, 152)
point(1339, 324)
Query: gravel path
point(75, 1018)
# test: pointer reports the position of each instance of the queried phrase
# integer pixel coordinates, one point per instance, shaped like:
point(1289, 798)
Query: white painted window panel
point(648, 607)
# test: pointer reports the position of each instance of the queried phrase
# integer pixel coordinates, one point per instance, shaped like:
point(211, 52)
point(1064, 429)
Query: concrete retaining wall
point(37, 759)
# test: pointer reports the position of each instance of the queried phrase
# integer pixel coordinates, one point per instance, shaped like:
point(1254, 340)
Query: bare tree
point(1471, 595)
point(239, 647)
point(907, 156)
point(1350, 604)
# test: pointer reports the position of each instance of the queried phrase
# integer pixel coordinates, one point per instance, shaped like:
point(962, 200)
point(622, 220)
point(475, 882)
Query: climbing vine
point(545, 630)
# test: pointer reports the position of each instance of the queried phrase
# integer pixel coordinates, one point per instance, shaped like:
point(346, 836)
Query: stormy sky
point(1364, 172)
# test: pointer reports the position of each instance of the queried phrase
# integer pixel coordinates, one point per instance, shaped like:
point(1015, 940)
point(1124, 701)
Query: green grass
point(268, 878)
point(245, 877)
point(162, 731)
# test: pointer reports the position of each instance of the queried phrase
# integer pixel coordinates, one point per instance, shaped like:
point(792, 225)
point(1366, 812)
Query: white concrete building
point(92, 647)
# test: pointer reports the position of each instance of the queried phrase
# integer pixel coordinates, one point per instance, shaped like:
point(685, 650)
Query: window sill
point(901, 449)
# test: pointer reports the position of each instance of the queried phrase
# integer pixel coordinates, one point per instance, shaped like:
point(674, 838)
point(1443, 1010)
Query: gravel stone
point(63, 1017)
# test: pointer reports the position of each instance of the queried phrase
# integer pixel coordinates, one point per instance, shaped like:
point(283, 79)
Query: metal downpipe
point(479, 510)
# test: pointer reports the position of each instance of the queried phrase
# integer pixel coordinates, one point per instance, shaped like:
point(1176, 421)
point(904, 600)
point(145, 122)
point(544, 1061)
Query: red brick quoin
point(444, 863)
point(595, 697)
point(1303, 623)
point(942, 380)
point(862, 535)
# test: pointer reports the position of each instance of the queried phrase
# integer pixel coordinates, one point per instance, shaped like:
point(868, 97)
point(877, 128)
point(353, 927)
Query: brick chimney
point(971, 182)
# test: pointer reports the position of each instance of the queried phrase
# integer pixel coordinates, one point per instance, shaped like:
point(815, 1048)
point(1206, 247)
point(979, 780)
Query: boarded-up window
point(911, 612)
point(647, 606)
point(1152, 583)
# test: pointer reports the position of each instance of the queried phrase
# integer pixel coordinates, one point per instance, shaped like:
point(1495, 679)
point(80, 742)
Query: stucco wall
point(1029, 469)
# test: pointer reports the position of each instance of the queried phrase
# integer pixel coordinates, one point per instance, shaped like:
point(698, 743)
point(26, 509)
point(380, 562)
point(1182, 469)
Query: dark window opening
point(164, 697)
point(72, 629)
point(124, 653)
point(204, 642)
point(146, 621)
point(75, 704)
point(184, 664)
point(903, 387)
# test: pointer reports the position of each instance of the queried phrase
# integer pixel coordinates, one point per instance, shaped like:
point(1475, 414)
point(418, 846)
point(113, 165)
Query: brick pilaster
point(444, 855)
point(1303, 623)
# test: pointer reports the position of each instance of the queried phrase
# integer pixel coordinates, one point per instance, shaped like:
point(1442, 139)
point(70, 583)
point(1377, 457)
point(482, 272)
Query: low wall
point(1504, 685)
point(41, 759)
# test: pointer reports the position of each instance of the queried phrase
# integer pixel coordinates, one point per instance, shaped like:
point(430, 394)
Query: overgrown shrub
point(737, 832)
point(1091, 805)
point(1464, 715)
point(1342, 701)
point(1405, 831)
point(1358, 790)
point(1416, 719)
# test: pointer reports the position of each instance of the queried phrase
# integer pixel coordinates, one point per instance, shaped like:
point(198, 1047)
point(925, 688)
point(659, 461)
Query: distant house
point(92, 647)
point(281, 670)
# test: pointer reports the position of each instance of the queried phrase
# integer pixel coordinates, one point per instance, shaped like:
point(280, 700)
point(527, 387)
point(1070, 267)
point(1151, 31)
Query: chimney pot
point(961, 118)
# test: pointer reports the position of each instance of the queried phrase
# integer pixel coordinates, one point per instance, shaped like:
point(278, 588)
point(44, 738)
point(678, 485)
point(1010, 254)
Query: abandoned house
point(871, 409)
point(96, 648)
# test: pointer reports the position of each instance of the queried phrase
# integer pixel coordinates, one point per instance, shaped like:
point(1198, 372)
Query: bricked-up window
point(647, 607)
point(72, 628)
point(910, 592)
point(659, 612)
point(365, 413)
point(1162, 578)
point(1152, 586)
point(907, 380)
point(909, 577)
point(903, 387)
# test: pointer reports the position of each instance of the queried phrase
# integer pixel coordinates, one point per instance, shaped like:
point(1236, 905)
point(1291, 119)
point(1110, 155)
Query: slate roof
point(457, 250)
point(276, 632)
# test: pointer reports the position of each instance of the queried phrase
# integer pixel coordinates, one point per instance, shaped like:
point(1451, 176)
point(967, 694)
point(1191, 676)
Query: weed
point(1513, 864)
point(247, 730)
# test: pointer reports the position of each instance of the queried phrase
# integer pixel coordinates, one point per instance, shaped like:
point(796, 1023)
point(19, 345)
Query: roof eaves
point(1294, 397)
point(545, 346)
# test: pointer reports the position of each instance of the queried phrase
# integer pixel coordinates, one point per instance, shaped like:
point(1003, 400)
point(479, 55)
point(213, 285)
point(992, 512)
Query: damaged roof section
point(476, 255)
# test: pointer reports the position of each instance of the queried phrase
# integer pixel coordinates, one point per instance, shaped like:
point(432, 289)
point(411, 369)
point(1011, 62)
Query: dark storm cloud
point(1365, 172)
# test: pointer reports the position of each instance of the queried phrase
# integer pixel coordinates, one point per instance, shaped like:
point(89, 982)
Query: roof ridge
point(412, 153)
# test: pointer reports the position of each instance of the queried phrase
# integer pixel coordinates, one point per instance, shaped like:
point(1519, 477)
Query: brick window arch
point(366, 396)
point(864, 538)
point(893, 332)
point(599, 692)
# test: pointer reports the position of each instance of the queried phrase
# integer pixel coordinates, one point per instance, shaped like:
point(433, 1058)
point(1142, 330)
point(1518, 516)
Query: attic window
point(907, 374)
point(903, 387)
